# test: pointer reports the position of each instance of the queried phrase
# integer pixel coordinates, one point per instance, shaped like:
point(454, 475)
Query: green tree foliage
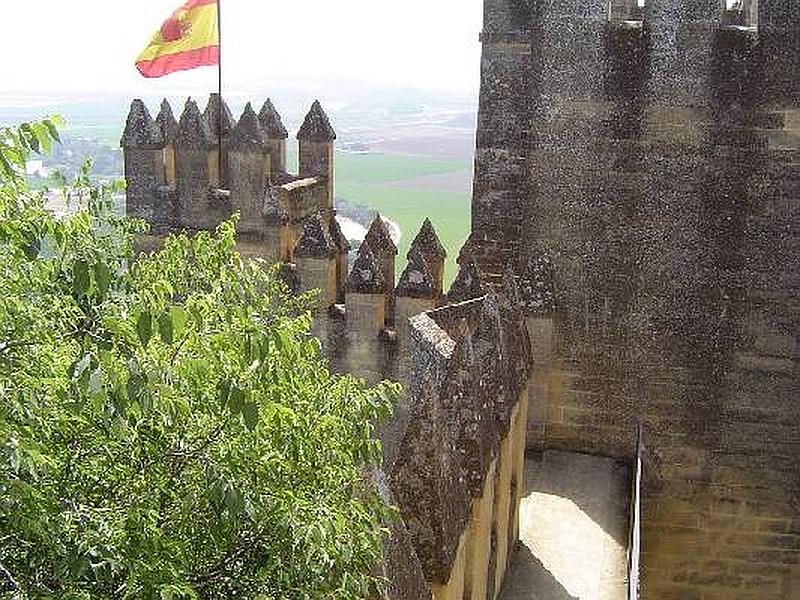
point(168, 428)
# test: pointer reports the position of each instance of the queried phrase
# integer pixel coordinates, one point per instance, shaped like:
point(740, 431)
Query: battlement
point(194, 172)
point(453, 450)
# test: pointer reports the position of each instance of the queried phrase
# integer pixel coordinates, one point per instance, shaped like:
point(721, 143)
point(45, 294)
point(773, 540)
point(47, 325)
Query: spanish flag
point(189, 38)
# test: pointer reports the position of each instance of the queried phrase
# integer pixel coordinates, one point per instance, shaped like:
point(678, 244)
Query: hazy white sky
point(91, 45)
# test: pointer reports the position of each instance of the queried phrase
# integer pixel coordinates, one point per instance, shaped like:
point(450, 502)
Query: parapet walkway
point(573, 530)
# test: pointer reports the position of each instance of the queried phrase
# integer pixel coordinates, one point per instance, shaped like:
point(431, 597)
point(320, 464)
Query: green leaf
point(51, 127)
point(138, 392)
point(225, 386)
point(81, 281)
point(250, 414)
point(233, 501)
point(178, 318)
point(144, 328)
point(236, 400)
point(165, 328)
point(102, 276)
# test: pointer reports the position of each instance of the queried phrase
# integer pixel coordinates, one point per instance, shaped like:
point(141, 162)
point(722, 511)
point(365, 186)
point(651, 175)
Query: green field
point(449, 212)
point(377, 168)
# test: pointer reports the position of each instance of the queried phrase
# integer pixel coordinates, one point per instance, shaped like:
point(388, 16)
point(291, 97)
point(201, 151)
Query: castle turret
point(366, 295)
point(342, 259)
point(382, 245)
point(143, 147)
point(467, 284)
point(415, 293)
point(276, 135)
point(169, 129)
point(278, 237)
point(196, 170)
point(221, 124)
point(316, 137)
point(248, 161)
point(315, 256)
point(366, 310)
point(428, 245)
point(385, 251)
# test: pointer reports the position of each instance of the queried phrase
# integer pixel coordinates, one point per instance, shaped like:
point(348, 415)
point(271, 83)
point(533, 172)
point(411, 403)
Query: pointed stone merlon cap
point(274, 213)
point(248, 134)
point(193, 131)
point(537, 285)
point(316, 127)
point(219, 120)
point(417, 280)
point(140, 128)
point(427, 243)
point(366, 276)
point(315, 242)
point(379, 239)
point(467, 285)
point(167, 122)
point(271, 122)
point(340, 241)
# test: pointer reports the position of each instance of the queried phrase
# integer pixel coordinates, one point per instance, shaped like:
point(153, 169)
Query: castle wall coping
point(307, 182)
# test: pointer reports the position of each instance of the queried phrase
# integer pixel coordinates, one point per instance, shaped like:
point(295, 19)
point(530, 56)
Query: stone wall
point(642, 180)
point(457, 472)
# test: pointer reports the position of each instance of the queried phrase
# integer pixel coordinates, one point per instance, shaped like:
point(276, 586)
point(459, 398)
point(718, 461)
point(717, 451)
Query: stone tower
point(637, 169)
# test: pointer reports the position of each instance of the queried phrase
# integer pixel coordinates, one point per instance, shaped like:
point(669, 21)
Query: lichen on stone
point(366, 276)
point(316, 127)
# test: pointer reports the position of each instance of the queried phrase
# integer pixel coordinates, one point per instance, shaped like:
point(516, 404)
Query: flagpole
point(219, 92)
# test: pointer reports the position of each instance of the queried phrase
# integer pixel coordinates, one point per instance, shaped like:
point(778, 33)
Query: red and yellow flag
point(189, 38)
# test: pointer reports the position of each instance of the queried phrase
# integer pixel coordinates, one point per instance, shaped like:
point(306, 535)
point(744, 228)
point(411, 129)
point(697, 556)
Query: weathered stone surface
point(140, 129)
point(274, 214)
point(271, 122)
point(642, 180)
point(416, 280)
point(400, 565)
point(315, 242)
point(342, 244)
point(219, 118)
point(426, 478)
point(316, 127)
point(379, 239)
point(537, 285)
point(467, 284)
point(427, 243)
point(366, 276)
point(248, 134)
point(167, 122)
point(193, 130)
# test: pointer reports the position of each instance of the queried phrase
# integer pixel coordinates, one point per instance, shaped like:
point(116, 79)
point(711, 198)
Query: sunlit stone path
point(573, 529)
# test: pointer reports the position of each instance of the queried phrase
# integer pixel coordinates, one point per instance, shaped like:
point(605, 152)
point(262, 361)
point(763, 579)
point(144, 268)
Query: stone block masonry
point(638, 170)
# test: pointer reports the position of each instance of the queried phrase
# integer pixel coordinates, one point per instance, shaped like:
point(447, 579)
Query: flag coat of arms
point(189, 38)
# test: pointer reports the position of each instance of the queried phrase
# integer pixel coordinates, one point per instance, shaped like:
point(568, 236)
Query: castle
point(632, 266)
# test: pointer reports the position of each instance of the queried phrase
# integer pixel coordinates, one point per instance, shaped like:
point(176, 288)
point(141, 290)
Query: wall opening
point(740, 13)
point(626, 10)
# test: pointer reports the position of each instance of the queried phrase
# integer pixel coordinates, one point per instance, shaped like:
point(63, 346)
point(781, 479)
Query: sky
point(89, 46)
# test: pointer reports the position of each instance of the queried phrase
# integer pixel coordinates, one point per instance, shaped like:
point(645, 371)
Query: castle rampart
point(454, 447)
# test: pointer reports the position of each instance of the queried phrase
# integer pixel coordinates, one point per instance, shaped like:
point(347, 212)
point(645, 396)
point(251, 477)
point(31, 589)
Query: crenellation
point(197, 173)
point(276, 135)
point(143, 146)
point(343, 248)
point(315, 257)
point(427, 244)
point(316, 139)
point(248, 165)
point(169, 129)
point(467, 284)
